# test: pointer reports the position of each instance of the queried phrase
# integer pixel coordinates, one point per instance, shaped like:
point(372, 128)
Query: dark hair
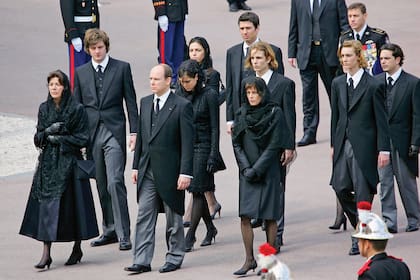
point(62, 78)
point(379, 245)
point(94, 36)
point(207, 61)
point(191, 68)
point(250, 16)
point(257, 83)
point(357, 5)
point(396, 51)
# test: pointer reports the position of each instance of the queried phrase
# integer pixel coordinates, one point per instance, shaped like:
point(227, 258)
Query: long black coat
point(118, 87)
point(382, 266)
point(168, 149)
point(234, 77)
point(363, 122)
point(404, 117)
point(260, 199)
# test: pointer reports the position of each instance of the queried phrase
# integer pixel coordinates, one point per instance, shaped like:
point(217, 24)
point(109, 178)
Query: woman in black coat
point(207, 158)
point(60, 206)
point(258, 135)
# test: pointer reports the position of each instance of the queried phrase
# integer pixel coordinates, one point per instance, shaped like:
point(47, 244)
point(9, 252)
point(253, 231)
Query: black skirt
point(68, 218)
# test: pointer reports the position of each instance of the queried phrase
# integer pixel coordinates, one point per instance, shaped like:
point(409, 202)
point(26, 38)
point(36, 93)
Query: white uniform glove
point(163, 23)
point(77, 44)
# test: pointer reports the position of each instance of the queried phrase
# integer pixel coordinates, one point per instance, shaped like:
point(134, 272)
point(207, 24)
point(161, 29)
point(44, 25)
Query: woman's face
point(188, 83)
point(253, 97)
point(56, 89)
point(260, 63)
point(197, 52)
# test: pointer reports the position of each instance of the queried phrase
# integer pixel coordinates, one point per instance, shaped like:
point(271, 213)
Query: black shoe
point(211, 234)
point(246, 267)
point(233, 7)
point(137, 268)
point(256, 223)
point(306, 140)
point(245, 7)
point(168, 267)
point(354, 250)
point(217, 209)
point(411, 228)
point(125, 244)
point(338, 223)
point(103, 240)
point(43, 264)
point(189, 242)
point(392, 230)
point(75, 257)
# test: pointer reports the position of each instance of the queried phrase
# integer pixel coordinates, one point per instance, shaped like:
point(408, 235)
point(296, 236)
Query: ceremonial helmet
point(372, 228)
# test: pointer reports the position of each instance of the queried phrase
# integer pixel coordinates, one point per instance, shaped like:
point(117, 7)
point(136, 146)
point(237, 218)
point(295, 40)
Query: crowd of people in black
point(375, 132)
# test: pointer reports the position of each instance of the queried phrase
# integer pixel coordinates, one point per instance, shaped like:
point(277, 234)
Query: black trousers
point(310, 99)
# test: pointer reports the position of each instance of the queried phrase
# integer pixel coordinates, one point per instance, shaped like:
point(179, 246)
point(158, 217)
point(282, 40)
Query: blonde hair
point(357, 47)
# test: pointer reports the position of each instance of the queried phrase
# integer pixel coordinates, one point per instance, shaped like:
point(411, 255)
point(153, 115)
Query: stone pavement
point(32, 44)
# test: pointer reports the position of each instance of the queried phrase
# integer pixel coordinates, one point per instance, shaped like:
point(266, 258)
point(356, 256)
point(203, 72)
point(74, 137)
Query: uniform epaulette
point(364, 268)
point(377, 30)
point(346, 32)
point(392, 257)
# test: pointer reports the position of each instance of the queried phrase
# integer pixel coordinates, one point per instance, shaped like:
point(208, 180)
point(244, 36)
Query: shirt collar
point(266, 76)
point(394, 76)
point(104, 63)
point(356, 77)
point(162, 98)
point(245, 45)
point(361, 32)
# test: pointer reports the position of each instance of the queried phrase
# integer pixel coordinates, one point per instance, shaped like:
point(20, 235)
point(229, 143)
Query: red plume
point(267, 250)
point(364, 205)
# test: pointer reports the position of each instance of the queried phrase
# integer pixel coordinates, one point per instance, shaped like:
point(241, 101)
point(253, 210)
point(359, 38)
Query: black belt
point(316, 43)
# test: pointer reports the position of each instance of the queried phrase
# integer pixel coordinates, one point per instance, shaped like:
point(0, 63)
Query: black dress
point(206, 137)
point(60, 206)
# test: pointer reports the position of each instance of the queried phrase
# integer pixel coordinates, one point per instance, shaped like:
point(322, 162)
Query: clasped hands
point(251, 175)
point(52, 130)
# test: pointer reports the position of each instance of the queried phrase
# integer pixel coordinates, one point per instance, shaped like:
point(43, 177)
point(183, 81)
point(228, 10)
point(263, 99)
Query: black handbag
point(85, 169)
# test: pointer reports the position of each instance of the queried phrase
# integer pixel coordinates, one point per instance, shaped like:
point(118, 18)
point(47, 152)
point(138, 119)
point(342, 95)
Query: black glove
point(250, 174)
point(54, 139)
point(211, 166)
point(54, 128)
point(413, 151)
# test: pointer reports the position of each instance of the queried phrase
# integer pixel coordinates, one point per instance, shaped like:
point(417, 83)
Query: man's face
point(259, 62)
point(389, 63)
point(349, 60)
point(248, 32)
point(98, 51)
point(158, 83)
point(356, 19)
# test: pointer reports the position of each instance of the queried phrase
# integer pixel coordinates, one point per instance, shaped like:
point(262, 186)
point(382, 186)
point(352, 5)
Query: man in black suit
point(78, 16)
point(358, 131)
point(162, 170)
point(403, 106)
point(315, 27)
point(371, 38)
point(102, 86)
point(249, 24)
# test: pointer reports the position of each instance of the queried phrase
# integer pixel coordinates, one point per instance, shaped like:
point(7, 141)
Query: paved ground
point(31, 45)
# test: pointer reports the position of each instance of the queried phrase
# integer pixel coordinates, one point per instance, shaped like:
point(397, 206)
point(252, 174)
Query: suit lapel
point(164, 114)
point(273, 82)
point(321, 8)
point(343, 91)
point(359, 91)
point(147, 114)
point(92, 79)
point(109, 76)
point(399, 90)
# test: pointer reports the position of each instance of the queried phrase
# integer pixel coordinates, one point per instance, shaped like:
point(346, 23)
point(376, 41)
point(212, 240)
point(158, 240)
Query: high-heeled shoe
point(42, 265)
point(189, 242)
point(338, 223)
point(246, 267)
point(211, 235)
point(75, 257)
point(217, 209)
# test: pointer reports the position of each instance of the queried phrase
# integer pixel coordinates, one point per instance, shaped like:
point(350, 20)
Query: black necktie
point(351, 84)
point(315, 7)
point(388, 93)
point(157, 109)
point(357, 37)
point(246, 51)
point(389, 85)
point(100, 72)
